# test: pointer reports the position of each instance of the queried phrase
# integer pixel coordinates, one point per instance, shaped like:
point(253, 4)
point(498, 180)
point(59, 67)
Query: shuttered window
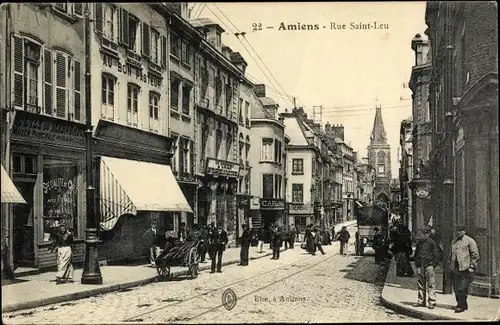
point(32, 75)
point(78, 9)
point(61, 85)
point(124, 27)
point(18, 78)
point(48, 80)
point(77, 83)
point(146, 40)
point(164, 52)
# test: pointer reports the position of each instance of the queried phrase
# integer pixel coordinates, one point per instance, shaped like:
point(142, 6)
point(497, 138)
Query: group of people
point(462, 260)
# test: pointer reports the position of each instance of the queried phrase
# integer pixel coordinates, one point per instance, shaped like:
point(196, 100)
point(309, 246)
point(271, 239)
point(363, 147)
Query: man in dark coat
point(211, 230)
point(378, 245)
point(245, 246)
point(276, 240)
point(292, 233)
point(204, 243)
point(343, 238)
point(218, 241)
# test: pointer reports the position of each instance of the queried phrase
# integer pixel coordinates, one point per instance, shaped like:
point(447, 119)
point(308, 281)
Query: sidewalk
point(39, 290)
point(400, 294)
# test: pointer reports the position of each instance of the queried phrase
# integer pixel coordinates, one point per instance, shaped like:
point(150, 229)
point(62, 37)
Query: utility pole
point(91, 271)
point(294, 103)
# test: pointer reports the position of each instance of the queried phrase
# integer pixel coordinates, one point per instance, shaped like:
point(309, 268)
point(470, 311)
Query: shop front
point(217, 195)
point(48, 169)
point(300, 215)
point(136, 190)
point(243, 211)
point(271, 211)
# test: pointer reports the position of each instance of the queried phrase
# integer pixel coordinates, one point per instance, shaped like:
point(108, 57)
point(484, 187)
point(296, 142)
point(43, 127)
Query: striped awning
point(358, 203)
point(10, 194)
point(128, 186)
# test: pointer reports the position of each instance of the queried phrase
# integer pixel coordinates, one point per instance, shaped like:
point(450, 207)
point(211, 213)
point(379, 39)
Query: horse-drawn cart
point(183, 254)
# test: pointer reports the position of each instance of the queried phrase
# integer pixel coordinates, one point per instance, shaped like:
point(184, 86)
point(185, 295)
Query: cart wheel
point(163, 270)
point(193, 262)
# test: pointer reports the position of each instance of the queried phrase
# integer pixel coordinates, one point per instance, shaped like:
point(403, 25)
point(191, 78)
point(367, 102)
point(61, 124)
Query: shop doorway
point(23, 226)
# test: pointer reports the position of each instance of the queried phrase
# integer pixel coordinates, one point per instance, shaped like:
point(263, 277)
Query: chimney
point(338, 131)
point(327, 127)
point(260, 90)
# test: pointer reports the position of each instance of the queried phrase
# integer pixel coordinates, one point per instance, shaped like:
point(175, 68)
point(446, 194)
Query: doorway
point(23, 226)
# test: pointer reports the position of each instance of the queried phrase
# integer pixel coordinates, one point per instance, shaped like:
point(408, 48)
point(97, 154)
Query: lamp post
point(91, 271)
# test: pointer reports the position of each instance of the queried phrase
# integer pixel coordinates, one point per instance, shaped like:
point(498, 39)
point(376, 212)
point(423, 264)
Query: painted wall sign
point(222, 168)
point(34, 127)
point(295, 208)
point(272, 204)
point(129, 70)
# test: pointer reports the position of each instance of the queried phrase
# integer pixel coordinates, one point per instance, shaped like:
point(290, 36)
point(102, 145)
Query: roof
point(201, 22)
point(294, 131)
point(258, 112)
point(267, 101)
point(339, 140)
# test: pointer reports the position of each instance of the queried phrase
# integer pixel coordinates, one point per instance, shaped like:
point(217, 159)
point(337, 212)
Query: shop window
point(24, 164)
point(60, 195)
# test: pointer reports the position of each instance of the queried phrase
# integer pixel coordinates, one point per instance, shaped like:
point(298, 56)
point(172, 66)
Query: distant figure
point(182, 233)
point(245, 246)
point(204, 243)
point(260, 237)
point(171, 235)
point(276, 240)
point(218, 241)
point(317, 241)
point(343, 238)
point(464, 257)
point(211, 231)
point(292, 231)
point(378, 246)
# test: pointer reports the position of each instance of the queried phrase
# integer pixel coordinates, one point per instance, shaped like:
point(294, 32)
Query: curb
point(111, 288)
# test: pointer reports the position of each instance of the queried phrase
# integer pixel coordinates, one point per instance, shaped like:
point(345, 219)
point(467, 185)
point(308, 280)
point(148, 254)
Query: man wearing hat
point(426, 259)
point(464, 259)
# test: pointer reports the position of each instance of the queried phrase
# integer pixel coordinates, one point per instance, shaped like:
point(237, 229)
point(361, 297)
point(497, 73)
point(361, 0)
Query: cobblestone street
point(297, 288)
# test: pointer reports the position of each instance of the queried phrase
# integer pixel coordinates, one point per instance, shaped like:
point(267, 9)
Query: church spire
point(378, 135)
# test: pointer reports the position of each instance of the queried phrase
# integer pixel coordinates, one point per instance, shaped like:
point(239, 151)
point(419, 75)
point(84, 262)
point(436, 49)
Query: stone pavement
point(40, 290)
point(400, 294)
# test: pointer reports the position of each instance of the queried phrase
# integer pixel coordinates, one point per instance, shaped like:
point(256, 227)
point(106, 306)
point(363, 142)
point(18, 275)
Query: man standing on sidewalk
point(245, 246)
point(343, 238)
point(464, 258)
point(426, 259)
point(219, 240)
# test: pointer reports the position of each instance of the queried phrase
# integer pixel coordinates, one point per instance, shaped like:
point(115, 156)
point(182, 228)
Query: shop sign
point(295, 208)
point(272, 204)
point(130, 71)
point(34, 127)
point(254, 203)
point(222, 168)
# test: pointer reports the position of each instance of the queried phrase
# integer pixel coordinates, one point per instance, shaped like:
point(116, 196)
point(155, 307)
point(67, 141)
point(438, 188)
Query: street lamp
point(91, 271)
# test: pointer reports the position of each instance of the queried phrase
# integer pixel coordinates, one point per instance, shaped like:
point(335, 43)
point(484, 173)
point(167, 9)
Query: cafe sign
point(295, 208)
point(218, 167)
point(272, 204)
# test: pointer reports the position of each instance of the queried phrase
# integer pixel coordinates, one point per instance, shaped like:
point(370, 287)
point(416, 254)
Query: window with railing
point(267, 150)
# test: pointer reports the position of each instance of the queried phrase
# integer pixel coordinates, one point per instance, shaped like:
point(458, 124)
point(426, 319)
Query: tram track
point(136, 317)
point(139, 317)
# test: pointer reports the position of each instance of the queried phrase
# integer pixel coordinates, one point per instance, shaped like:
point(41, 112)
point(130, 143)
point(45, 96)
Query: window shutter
point(78, 9)
point(124, 37)
point(18, 80)
point(61, 85)
point(146, 40)
point(77, 82)
point(48, 90)
point(164, 52)
point(98, 17)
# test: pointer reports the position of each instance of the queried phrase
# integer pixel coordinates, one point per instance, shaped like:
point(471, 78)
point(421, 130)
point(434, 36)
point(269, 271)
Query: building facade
point(422, 134)
point(406, 173)
point(367, 181)
point(379, 156)
point(267, 158)
point(348, 179)
point(463, 100)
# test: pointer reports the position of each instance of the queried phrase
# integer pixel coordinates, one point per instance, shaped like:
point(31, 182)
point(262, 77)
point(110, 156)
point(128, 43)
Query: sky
point(347, 71)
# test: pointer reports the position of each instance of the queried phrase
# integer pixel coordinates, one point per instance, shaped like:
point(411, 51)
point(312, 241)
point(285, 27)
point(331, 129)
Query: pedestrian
point(182, 233)
point(317, 241)
point(426, 260)
point(292, 231)
point(171, 235)
point(63, 241)
point(378, 245)
point(464, 257)
point(285, 237)
point(436, 236)
point(343, 238)
point(218, 246)
point(152, 239)
point(402, 250)
point(334, 234)
point(245, 246)
point(276, 240)
point(260, 238)
point(211, 234)
point(204, 243)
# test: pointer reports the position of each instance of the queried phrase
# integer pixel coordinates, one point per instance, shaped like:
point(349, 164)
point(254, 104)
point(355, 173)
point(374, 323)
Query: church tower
point(379, 156)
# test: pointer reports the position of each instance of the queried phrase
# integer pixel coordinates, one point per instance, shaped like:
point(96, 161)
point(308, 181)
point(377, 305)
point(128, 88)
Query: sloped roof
point(294, 131)
point(267, 101)
point(258, 112)
point(378, 135)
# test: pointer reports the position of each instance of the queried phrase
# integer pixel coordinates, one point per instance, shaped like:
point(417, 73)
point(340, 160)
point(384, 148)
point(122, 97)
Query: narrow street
point(297, 288)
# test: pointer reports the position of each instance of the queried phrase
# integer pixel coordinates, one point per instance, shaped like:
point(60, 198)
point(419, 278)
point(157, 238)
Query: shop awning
point(10, 194)
point(128, 186)
point(358, 203)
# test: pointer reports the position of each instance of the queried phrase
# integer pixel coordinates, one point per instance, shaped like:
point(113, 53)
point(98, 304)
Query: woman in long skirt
point(63, 242)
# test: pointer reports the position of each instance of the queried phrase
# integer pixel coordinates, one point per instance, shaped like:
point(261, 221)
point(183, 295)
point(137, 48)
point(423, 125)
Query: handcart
point(183, 254)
